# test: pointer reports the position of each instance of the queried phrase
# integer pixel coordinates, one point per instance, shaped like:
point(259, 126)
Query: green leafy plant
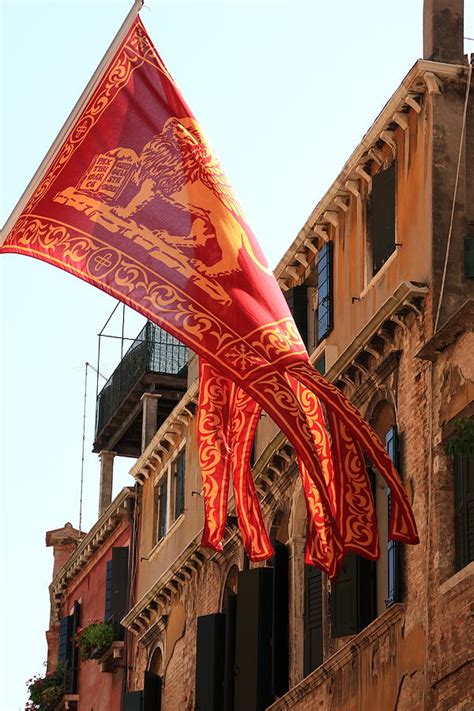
point(462, 440)
point(45, 692)
point(94, 640)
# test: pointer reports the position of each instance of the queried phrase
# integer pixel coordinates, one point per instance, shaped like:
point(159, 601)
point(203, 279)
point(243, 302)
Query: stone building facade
point(381, 283)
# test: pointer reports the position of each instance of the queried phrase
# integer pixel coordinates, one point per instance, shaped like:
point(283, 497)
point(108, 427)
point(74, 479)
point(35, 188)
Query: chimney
point(64, 542)
point(443, 31)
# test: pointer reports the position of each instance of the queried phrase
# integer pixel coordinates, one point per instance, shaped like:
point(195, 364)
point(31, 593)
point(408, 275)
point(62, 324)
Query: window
point(381, 212)
point(179, 466)
point(162, 499)
point(116, 589)
point(68, 651)
point(353, 596)
point(170, 495)
point(464, 509)
point(324, 311)
point(297, 301)
point(313, 618)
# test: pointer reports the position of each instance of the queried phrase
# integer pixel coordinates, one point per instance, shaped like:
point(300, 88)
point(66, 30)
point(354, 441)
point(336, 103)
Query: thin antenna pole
point(83, 449)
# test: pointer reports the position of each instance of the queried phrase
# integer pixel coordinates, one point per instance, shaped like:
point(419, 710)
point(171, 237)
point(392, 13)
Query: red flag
point(135, 203)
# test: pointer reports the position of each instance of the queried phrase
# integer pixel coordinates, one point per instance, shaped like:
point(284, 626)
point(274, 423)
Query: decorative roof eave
point(102, 529)
point(168, 436)
point(423, 78)
point(405, 296)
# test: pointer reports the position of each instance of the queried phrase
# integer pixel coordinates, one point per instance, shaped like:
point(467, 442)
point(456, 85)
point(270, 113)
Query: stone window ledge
point(343, 657)
point(464, 574)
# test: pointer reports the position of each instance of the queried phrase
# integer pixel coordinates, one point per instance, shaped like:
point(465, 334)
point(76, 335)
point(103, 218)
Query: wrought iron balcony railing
point(153, 351)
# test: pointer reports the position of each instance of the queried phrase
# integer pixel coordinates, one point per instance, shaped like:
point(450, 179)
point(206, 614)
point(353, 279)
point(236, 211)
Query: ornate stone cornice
point(424, 78)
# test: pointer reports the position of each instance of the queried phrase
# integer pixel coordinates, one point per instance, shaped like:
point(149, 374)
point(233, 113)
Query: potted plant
point(45, 692)
point(94, 640)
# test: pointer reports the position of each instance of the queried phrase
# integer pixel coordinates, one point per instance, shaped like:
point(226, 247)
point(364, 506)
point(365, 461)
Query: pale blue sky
point(284, 91)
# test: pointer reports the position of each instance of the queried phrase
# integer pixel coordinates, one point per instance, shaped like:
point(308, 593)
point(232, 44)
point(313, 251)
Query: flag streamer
point(135, 203)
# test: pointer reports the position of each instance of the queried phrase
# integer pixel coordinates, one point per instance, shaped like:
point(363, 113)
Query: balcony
point(155, 363)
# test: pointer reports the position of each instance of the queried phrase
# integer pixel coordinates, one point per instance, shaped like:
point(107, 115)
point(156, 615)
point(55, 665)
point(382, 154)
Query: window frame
point(166, 483)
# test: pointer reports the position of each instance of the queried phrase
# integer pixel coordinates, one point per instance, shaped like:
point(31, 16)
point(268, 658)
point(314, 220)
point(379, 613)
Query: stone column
point(106, 479)
point(150, 416)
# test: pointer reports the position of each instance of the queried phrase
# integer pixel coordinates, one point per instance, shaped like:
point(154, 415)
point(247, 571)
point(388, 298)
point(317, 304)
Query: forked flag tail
point(132, 200)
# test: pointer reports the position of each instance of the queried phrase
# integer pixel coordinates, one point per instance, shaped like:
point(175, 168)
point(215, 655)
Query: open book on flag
point(133, 200)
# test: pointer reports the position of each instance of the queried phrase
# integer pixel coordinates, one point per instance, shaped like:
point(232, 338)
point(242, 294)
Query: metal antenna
point(83, 449)
point(84, 414)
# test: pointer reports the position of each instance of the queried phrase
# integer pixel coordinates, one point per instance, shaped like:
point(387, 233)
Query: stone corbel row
point(378, 345)
point(159, 601)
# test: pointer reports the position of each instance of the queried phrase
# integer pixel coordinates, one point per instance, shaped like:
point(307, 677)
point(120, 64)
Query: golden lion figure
point(179, 167)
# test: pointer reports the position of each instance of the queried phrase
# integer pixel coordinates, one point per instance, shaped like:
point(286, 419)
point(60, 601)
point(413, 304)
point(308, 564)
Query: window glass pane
point(179, 483)
point(162, 510)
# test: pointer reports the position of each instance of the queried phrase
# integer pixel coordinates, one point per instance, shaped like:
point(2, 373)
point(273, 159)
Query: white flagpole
point(83, 99)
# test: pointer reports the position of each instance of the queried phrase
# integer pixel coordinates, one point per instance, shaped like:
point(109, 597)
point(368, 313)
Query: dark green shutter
point(229, 663)
point(464, 509)
point(210, 662)
point(353, 596)
point(76, 621)
point(116, 589)
point(324, 314)
point(469, 257)
point(313, 618)
point(108, 592)
point(162, 510)
point(382, 216)
point(179, 483)
point(133, 701)
point(253, 667)
point(280, 624)
point(148, 699)
point(151, 692)
point(65, 639)
point(393, 547)
point(297, 300)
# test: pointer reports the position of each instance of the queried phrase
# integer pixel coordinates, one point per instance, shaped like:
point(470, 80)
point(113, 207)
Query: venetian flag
point(132, 200)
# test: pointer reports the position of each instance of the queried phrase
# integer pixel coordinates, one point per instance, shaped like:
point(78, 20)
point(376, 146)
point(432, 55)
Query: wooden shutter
point(119, 588)
point(324, 314)
point(253, 668)
point(210, 655)
point(179, 483)
point(280, 641)
point(229, 663)
point(65, 652)
point(313, 618)
point(116, 589)
point(353, 596)
point(108, 592)
point(76, 621)
point(151, 692)
point(382, 216)
point(133, 701)
point(297, 300)
point(65, 639)
point(464, 509)
point(393, 547)
point(162, 510)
